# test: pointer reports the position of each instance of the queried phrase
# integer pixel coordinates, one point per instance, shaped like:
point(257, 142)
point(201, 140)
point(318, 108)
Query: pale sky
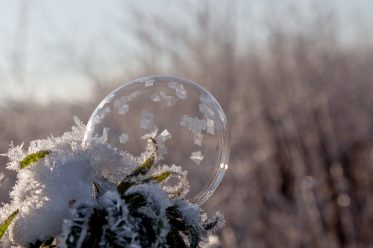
point(41, 34)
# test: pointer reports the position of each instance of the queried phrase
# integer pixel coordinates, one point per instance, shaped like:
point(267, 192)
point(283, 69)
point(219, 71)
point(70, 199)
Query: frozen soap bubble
point(188, 123)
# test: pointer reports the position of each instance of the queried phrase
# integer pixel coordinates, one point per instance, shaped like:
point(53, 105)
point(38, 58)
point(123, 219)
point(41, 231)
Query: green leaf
point(6, 223)
point(158, 178)
point(33, 157)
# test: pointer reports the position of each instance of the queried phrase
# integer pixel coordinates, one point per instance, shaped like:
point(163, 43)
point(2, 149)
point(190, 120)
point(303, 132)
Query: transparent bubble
point(190, 126)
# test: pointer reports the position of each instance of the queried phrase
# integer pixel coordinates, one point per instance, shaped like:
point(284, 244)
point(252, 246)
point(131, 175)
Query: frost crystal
point(210, 126)
point(179, 88)
point(123, 138)
point(2, 178)
point(206, 107)
point(104, 136)
point(149, 83)
point(161, 139)
point(197, 157)
point(170, 100)
point(98, 118)
point(155, 97)
point(121, 103)
point(147, 121)
point(196, 126)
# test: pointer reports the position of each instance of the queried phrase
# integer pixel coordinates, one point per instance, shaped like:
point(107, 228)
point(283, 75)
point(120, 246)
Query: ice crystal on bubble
point(155, 97)
point(2, 178)
point(210, 126)
point(206, 107)
point(197, 157)
point(179, 88)
point(123, 138)
point(196, 126)
point(149, 83)
point(147, 121)
point(169, 100)
point(104, 136)
point(121, 103)
point(101, 116)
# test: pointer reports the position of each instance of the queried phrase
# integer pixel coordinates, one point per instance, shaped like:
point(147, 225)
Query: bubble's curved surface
point(189, 125)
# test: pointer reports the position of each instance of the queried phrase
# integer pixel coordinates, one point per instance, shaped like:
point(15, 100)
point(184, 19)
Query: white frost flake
point(104, 137)
point(157, 97)
point(210, 126)
point(2, 178)
point(123, 138)
point(197, 157)
point(121, 103)
point(98, 118)
point(196, 126)
point(149, 83)
point(179, 88)
point(147, 121)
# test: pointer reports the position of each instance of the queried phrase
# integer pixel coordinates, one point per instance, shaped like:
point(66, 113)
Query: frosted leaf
point(191, 213)
point(149, 83)
point(147, 121)
point(210, 126)
point(160, 142)
point(179, 88)
point(197, 157)
point(182, 187)
point(123, 138)
point(153, 193)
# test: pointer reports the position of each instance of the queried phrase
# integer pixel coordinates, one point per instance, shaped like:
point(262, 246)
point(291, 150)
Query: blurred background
point(295, 79)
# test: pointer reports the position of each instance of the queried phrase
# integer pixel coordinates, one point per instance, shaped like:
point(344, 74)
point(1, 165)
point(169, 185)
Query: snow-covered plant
point(69, 195)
